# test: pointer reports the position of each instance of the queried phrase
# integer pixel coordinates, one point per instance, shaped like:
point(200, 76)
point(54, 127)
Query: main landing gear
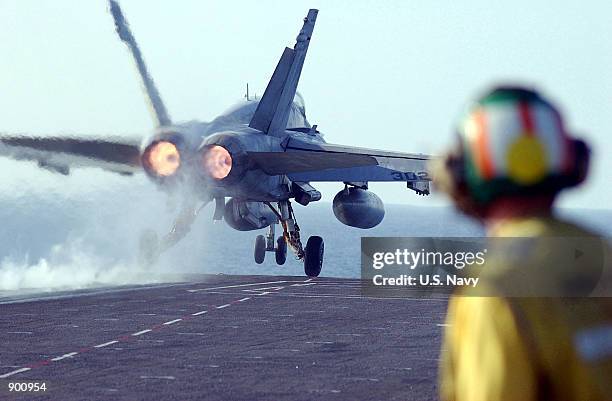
point(312, 255)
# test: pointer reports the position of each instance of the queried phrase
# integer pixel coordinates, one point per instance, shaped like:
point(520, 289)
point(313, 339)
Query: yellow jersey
point(505, 348)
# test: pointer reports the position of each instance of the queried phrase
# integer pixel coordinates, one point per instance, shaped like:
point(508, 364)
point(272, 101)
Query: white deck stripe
point(71, 354)
point(272, 288)
point(14, 372)
point(106, 344)
point(236, 286)
point(59, 358)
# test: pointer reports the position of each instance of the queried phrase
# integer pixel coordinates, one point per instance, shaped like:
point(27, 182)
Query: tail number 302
point(410, 176)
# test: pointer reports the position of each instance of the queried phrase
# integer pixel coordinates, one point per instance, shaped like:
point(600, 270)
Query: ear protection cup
point(580, 166)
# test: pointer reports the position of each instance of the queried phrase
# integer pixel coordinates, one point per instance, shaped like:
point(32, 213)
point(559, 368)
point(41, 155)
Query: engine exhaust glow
point(163, 158)
point(217, 162)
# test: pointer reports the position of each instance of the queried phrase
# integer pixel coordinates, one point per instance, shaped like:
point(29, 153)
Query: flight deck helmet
point(512, 141)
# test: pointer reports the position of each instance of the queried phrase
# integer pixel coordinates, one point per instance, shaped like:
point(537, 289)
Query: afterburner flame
point(217, 162)
point(163, 158)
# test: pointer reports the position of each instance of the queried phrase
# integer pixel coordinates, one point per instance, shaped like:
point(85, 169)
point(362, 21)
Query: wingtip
point(113, 5)
point(115, 10)
point(121, 25)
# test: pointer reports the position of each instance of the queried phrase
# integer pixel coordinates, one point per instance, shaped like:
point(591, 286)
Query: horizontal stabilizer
point(318, 161)
point(276, 163)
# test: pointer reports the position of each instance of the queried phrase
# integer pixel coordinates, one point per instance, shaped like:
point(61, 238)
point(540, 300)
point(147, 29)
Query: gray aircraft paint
point(271, 142)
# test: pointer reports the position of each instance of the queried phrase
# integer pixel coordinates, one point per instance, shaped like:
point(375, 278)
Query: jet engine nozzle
point(161, 159)
point(223, 159)
point(216, 161)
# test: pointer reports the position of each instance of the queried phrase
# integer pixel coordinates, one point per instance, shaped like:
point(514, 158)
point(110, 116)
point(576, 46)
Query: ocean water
point(52, 241)
point(228, 251)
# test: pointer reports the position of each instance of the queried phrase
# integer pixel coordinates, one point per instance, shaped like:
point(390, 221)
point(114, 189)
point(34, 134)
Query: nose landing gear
point(312, 255)
point(266, 243)
point(151, 246)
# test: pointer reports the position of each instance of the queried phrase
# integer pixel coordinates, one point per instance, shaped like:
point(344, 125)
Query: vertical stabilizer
point(273, 109)
point(125, 34)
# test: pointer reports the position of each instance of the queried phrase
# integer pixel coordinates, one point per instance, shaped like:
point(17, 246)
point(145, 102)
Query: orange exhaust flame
point(217, 162)
point(163, 158)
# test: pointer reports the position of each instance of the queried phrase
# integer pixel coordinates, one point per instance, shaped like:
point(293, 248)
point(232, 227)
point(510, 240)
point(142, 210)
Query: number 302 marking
point(410, 176)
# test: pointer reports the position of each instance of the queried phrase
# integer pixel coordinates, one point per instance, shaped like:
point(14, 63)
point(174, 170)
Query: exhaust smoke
point(79, 231)
point(70, 266)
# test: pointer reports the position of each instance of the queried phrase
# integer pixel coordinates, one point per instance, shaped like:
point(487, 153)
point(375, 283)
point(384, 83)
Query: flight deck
point(223, 337)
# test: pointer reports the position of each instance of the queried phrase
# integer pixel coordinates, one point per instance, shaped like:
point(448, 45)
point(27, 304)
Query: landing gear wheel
point(260, 249)
point(313, 257)
point(281, 250)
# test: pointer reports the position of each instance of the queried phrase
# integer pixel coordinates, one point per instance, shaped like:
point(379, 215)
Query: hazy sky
point(383, 74)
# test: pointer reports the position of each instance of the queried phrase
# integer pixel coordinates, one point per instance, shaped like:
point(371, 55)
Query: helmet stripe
point(483, 161)
point(547, 129)
point(526, 118)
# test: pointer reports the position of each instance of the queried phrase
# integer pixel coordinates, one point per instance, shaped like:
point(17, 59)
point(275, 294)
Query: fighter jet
point(252, 161)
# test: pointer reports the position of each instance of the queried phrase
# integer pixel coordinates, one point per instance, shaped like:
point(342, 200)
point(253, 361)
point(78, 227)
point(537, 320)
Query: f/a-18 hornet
point(261, 154)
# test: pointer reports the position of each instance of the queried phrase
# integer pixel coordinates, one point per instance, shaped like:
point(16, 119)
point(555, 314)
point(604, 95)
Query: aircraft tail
point(273, 109)
point(125, 34)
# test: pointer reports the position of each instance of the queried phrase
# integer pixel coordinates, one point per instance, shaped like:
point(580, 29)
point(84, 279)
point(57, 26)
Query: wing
point(60, 154)
point(314, 161)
